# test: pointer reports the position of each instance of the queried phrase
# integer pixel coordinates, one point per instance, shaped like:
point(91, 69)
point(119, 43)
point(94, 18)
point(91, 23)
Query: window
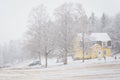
point(99, 52)
point(99, 42)
point(109, 43)
point(104, 44)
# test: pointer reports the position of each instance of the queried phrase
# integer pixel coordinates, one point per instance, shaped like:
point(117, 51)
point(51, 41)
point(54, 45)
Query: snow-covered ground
point(94, 69)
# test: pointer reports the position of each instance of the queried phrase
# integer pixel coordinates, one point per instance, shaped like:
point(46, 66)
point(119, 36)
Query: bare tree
point(115, 33)
point(48, 43)
point(81, 23)
point(37, 22)
point(64, 20)
point(40, 40)
point(93, 23)
point(70, 19)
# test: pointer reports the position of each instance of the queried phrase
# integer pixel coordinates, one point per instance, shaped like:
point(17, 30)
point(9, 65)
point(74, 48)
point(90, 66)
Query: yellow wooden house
point(94, 45)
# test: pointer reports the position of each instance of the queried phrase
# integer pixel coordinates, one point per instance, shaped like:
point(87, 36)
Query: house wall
point(108, 52)
point(94, 52)
point(77, 49)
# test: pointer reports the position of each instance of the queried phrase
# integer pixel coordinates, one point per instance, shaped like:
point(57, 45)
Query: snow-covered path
point(92, 71)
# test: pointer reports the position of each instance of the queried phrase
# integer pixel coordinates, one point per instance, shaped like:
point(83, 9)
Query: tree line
point(53, 36)
point(46, 35)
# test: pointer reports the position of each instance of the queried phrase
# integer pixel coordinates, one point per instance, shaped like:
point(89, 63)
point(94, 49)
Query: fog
point(36, 29)
point(14, 13)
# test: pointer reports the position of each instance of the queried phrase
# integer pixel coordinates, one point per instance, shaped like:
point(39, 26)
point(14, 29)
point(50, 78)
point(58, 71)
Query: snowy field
point(94, 69)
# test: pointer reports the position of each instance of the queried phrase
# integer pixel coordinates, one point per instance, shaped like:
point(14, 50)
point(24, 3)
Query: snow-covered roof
point(95, 37)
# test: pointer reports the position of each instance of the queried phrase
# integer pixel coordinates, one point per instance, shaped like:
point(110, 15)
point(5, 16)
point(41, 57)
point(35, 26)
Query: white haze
point(14, 13)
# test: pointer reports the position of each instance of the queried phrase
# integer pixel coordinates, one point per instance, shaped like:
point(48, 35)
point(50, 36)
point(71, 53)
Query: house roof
point(95, 36)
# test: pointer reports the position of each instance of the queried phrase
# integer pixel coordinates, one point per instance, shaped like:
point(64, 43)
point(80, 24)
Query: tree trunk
point(66, 51)
point(39, 58)
point(83, 46)
point(46, 59)
point(65, 59)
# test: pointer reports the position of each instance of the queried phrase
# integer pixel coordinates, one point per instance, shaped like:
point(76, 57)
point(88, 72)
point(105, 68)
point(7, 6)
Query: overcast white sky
point(14, 13)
